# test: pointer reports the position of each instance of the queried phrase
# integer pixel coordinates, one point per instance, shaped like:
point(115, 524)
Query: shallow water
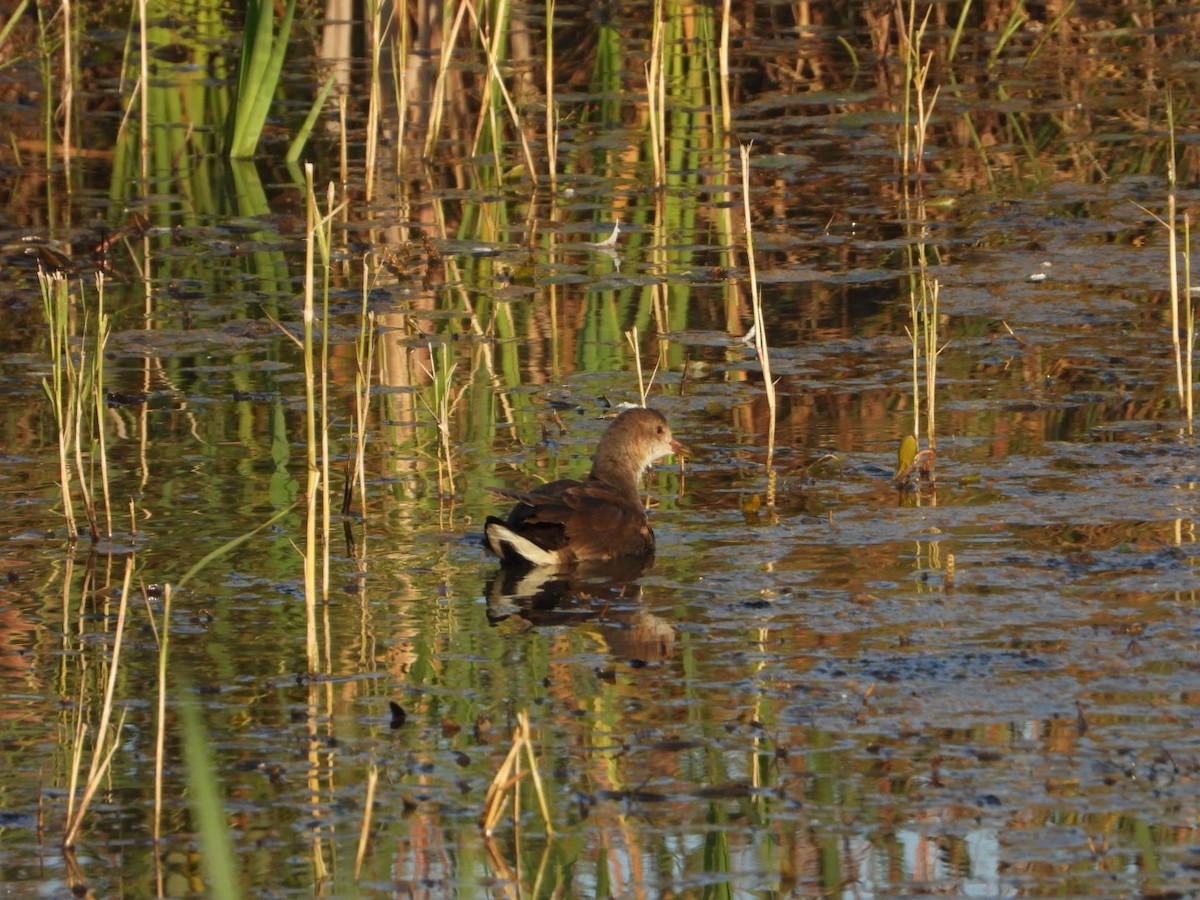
point(824, 685)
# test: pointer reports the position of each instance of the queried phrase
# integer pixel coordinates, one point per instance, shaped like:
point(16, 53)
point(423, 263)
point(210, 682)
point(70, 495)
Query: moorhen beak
point(600, 518)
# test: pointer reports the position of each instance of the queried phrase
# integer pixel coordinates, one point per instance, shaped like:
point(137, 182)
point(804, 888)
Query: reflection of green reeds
point(263, 51)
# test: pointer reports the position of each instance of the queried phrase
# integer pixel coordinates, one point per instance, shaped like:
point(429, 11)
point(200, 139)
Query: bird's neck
point(620, 472)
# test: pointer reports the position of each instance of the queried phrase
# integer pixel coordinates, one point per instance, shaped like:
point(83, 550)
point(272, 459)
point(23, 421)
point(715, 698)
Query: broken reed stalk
point(551, 105)
point(440, 374)
point(312, 489)
point(1173, 263)
point(1190, 311)
point(656, 96)
point(364, 832)
point(508, 778)
point(374, 98)
point(319, 236)
point(104, 741)
point(364, 357)
point(632, 337)
point(163, 635)
point(401, 47)
point(103, 328)
point(438, 101)
point(67, 100)
point(760, 327)
point(932, 352)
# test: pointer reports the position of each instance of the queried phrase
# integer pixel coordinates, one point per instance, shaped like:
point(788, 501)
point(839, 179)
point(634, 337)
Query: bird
point(600, 518)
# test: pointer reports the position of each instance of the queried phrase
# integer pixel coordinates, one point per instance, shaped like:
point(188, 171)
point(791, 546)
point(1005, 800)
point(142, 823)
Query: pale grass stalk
point(78, 378)
point(914, 342)
point(326, 234)
point(551, 106)
point(310, 405)
point(729, 254)
point(400, 51)
point(103, 747)
point(143, 86)
point(1173, 254)
point(364, 354)
point(343, 139)
point(932, 352)
point(68, 91)
point(723, 66)
point(760, 327)
point(316, 767)
point(631, 336)
point(440, 375)
point(103, 328)
point(1191, 314)
point(163, 635)
point(656, 96)
point(374, 99)
point(438, 101)
point(364, 831)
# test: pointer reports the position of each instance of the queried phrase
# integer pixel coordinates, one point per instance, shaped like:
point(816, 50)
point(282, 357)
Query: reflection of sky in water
point(924, 863)
point(983, 850)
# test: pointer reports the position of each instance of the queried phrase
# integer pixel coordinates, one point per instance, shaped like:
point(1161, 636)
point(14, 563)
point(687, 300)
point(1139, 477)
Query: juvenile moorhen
point(600, 518)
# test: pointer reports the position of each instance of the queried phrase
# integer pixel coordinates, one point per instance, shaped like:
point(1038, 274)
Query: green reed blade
point(263, 52)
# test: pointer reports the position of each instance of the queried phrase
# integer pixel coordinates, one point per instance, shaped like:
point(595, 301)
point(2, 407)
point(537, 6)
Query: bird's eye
point(660, 429)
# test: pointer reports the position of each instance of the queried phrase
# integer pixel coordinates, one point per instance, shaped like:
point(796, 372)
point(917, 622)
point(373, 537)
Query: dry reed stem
point(160, 733)
point(101, 757)
point(314, 471)
point(632, 337)
point(551, 106)
point(1190, 310)
point(760, 327)
point(509, 776)
point(102, 332)
point(364, 831)
point(326, 232)
point(1173, 259)
point(438, 101)
point(440, 413)
point(364, 354)
point(143, 86)
point(68, 92)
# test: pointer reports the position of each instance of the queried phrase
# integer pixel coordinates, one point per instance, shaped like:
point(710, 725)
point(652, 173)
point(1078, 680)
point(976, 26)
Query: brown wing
point(588, 520)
